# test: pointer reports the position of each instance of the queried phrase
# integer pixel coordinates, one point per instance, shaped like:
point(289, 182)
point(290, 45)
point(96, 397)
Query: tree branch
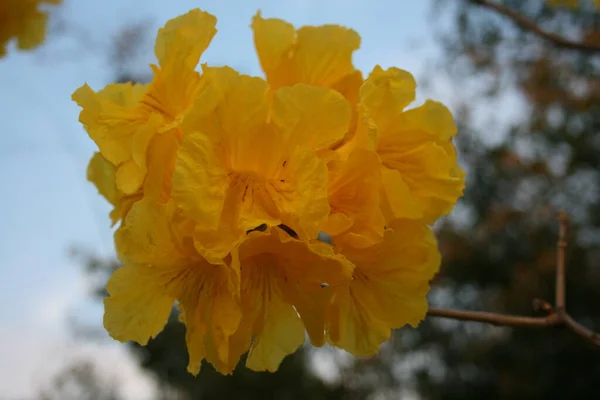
point(557, 315)
point(495, 319)
point(530, 26)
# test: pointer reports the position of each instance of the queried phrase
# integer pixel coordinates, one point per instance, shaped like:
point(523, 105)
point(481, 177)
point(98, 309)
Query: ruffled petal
point(320, 56)
point(207, 297)
point(391, 281)
point(182, 40)
point(310, 116)
point(110, 118)
point(354, 192)
point(138, 305)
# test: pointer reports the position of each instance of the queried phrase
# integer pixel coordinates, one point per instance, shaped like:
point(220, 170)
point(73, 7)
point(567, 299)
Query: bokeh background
point(529, 120)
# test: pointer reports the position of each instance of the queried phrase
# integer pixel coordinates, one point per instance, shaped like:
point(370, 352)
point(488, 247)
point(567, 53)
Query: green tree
point(501, 255)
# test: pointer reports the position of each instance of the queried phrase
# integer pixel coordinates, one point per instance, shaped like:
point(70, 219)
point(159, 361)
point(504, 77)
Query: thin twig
point(581, 330)
point(531, 26)
point(557, 316)
point(495, 319)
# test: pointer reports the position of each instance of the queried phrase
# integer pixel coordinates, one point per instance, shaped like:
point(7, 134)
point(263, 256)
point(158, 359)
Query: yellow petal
point(324, 54)
point(138, 305)
point(129, 177)
point(179, 45)
point(314, 117)
point(273, 39)
point(391, 281)
point(364, 136)
point(352, 327)
point(302, 274)
point(302, 193)
point(353, 191)
point(349, 87)
point(211, 314)
point(397, 201)
point(33, 30)
point(102, 174)
point(419, 148)
point(161, 159)
point(277, 328)
point(146, 238)
point(320, 56)
point(110, 119)
point(183, 39)
point(386, 93)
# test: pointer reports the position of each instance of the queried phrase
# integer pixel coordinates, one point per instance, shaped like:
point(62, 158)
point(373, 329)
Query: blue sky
point(47, 206)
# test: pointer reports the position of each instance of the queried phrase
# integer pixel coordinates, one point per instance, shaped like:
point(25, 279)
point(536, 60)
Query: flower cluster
point(269, 209)
point(23, 20)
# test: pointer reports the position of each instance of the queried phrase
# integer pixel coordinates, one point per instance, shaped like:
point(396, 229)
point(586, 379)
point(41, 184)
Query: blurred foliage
point(499, 249)
point(499, 245)
point(79, 381)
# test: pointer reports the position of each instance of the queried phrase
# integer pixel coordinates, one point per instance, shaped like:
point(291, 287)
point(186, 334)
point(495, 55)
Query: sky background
point(48, 207)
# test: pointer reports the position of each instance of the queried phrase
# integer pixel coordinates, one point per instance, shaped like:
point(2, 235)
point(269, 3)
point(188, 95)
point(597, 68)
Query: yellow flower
point(224, 182)
point(137, 127)
point(420, 175)
point(21, 19)
point(245, 161)
point(284, 288)
point(355, 219)
point(160, 267)
point(391, 280)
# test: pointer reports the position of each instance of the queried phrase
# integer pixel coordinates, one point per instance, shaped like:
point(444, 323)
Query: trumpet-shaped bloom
point(420, 174)
point(24, 21)
point(391, 280)
point(159, 269)
point(245, 161)
point(284, 288)
point(137, 127)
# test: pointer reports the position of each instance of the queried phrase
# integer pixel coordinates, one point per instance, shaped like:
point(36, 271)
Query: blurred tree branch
point(530, 26)
point(557, 315)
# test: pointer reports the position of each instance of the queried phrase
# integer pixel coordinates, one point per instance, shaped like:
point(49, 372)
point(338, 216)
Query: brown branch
point(495, 319)
point(557, 316)
point(530, 26)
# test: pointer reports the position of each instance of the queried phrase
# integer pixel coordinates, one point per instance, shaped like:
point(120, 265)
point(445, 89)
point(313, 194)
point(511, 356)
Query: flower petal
point(33, 30)
point(211, 314)
point(138, 305)
point(386, 93)
point(182, 40)
point(110, 118)
point(315, 117)
point(319, 56)
point(353, 191)
point(146, 237)
point(391, 281)
point(102, 174)
point(419, 148)
point(302, 274)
